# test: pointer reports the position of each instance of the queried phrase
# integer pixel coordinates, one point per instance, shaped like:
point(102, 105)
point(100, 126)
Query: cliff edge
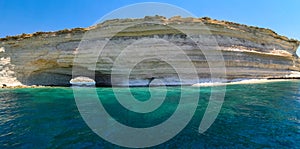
point(47, 58)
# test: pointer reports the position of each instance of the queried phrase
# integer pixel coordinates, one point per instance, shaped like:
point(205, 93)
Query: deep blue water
point(252, 116)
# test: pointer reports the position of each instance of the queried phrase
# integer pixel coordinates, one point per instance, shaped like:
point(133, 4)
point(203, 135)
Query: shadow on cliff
point(62, 77)
point(50, 77)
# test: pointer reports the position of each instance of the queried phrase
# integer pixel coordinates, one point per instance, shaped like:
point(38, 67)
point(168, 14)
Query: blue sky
point(28, 16)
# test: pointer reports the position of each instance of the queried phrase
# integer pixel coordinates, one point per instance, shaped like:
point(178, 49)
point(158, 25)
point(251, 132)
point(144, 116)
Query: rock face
point(145, 52)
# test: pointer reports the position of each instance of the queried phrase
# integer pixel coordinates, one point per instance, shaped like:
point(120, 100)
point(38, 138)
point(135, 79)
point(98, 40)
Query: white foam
point(248, 81)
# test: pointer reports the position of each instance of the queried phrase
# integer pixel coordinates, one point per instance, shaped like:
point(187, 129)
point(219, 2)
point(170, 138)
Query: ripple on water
point(253, 116)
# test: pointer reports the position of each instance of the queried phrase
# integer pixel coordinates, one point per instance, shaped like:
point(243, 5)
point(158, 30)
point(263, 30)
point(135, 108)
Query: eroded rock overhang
point(47, 58)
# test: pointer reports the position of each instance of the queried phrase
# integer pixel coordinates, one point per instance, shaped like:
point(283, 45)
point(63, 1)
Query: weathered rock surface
point(47, 58)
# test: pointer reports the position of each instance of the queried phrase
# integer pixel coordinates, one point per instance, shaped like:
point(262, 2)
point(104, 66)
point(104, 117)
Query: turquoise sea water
point(252, 116)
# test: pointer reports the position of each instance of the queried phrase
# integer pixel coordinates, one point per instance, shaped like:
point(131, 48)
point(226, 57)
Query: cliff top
point(175, 19)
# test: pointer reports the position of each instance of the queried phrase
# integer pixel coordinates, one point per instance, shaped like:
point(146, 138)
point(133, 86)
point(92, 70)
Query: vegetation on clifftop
point(206, 20)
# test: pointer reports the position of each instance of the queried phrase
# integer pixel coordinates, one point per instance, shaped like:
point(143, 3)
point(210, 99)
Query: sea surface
point(263, 115)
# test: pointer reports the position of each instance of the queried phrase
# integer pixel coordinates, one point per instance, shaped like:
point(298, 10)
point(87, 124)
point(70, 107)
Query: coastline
point(246, 81)
point(203, 84)
point(47, 58)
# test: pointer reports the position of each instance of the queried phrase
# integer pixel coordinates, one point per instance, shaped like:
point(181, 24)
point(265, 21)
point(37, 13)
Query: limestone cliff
point(46, 58)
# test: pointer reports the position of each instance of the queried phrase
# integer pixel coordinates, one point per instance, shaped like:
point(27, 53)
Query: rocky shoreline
point(207, 84)
point(47, 58)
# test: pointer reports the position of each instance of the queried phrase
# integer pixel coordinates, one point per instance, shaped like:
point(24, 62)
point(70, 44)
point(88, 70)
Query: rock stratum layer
point(150, 45)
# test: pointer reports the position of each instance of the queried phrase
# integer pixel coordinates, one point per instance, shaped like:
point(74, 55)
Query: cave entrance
point(48, 77)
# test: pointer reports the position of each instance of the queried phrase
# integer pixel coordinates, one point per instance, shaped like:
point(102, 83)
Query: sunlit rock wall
point(47, 58)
